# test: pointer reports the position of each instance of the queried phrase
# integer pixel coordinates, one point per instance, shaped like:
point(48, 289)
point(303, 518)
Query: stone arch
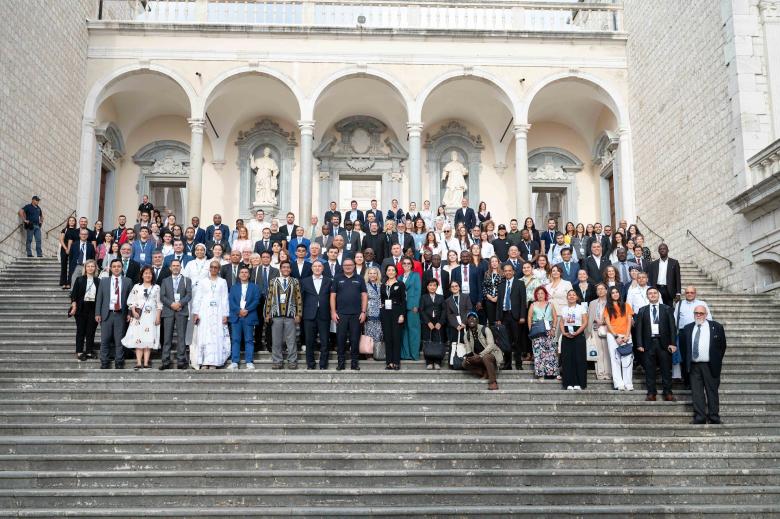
point(165, 165)
point(365, 72)
point(511, 99)
point(553, 168)
point(96, 94)
point(453, 136)
point(199, 109)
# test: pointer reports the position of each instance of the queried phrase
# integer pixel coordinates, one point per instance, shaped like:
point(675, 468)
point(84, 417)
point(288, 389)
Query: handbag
point(602, 331)
point(433, 350)
point(625, 350)
point(379, 351)
point(366, 346)
point(457, 353)
point(539, 328)
point(592, 350)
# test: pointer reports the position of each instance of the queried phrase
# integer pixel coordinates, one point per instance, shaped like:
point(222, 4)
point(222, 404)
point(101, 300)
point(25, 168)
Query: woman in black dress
point(68, 235)
point(82, 307)
point(392, 312)
point(573, 322)
point(432, 319)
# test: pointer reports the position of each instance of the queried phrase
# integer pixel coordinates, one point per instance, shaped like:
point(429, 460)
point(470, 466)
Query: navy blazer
point(717, 346)
point(475, 282)
point(326, 269)
point(305, 272)
point(185, 258)
point(75, 254)
point(467, 216)
point(210, 232)
point(316, 306)
point(252, 301)
point(378, 216)
point(200, 236)
point(574, 269)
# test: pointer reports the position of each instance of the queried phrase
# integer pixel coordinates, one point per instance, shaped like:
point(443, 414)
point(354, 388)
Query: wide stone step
point(390, 461)
point(347, 492)
point(243, 480)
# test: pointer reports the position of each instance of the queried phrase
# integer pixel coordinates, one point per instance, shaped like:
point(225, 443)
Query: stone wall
point(42, 86)
point(684, 131)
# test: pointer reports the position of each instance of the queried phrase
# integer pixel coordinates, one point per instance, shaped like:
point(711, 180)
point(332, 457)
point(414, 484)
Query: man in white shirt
point(637, 295)
point(557, 247)
point(257, 225)
point(289, 228)
point(683, 316)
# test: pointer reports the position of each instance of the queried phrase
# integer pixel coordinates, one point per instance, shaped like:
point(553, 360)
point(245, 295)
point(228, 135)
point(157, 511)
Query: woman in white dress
point(197, 270)
point(558, 288)
point(143, 333)
point(542, 270)
point(211, 345)
point(427, 214)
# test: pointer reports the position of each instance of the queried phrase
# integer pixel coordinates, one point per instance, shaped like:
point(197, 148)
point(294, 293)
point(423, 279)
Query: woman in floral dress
point(143, 333)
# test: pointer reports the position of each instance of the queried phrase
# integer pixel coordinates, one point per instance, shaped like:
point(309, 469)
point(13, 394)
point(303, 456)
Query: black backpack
point(500, 337)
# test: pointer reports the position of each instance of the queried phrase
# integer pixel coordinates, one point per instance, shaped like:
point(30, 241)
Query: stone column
point(770, 18)
point(305, 201)
point(195, 184)
point(628, 206)
point(87, 182)
point(415, 172)
point(522, 188)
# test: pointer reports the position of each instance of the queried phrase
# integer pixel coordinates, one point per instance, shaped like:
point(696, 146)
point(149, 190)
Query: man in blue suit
point(466, 271)
point(143, 248)
point(301, 267)
point(200, 232)
point(178, 254)
point(315, 291)
point(243, 300)
point(80, 252)
point(569, 268)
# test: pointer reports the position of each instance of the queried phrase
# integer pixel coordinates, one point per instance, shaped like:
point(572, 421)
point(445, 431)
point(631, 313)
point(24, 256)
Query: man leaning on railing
point(32, 214)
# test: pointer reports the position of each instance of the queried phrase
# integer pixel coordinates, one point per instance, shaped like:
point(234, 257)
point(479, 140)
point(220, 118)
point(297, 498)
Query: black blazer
point(260, 246)
point(354, 241)
point(594, 269)
point(79, 290)
point(673, 282)
point(164, 273)
point(467, 216)
point(256, 277)
point(453, 311)
point(475, 282)
point(303, 272)
point(589, 294)
point(316, 306)
point(326, 269)
point(75, 253)
point(226, 273)
point(408, 241)
point(444, 276)
point(516, 296)
point(431, 311)
point(330, 214)
point(348, 214)
point(395, 293)
point(133, 271)
point(717, 346)
point(606, 245)
point(667, 331)
point(376, 244)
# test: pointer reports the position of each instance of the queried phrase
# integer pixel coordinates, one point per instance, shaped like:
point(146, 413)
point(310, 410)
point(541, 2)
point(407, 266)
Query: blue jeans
point(247, 331)
point(36, 232)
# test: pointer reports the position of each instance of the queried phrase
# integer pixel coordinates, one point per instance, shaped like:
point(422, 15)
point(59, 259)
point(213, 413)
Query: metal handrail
point(689, 233)
point(72, 213)
point(19, 226)
point(646, 226)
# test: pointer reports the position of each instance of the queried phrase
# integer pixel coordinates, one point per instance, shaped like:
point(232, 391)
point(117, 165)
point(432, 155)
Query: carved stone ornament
point(360, 164)
point(168, 166)
point(549, 171)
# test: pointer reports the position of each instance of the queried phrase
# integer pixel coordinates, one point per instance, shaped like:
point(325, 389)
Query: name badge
point(289, 237)
point(388, 304)
point(465, 288)
point(433, 314)
point(176, 297)
point(459, 321)
point(213, 304)
point(530, 256)
point(654, 328)
point(143, 256)
point(189, 254)
point(242, 304)
point(349, 246)
point(283, 298)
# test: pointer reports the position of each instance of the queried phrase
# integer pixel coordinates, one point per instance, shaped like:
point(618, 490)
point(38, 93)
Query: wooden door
point(102, 200)
point(612, 200)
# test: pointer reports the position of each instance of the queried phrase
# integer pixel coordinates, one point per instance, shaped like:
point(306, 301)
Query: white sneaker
point(577, 388)
point(621, 388)
point(629, 388)
point(250, 366)
point(570, 388)
point(233, 366)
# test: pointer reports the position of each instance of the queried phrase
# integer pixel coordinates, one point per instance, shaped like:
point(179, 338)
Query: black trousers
point(656, 354)
point(392, 333)
point(514, 331)
point(666, 297)
point(704, 384)
point(348, 328)
point(311, 329)
point(64, 268)
point(262, 329)
point(85, 328)
point(490, 311)
point(574, 362)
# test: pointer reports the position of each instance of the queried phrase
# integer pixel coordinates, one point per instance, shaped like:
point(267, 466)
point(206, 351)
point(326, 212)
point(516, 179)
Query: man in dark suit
point(598, 237)
point(300, 267)
point(380, 218)
point(548, 236)
point(230, 271)
point(244, 300)
point(130, 268)
point(178, 253)
point(265, 243)
point(351, 238)
point(469, 278)
point(465, 215)
point(511, 311)
point(80, 252)
point(664, 274)
point(439, 274)
point(218, 239)
point(330, 213)
point(111, 313)
point(159, 270)
point(656, 336)
point(569, 268)
point(354, 214)
point(332, 265)
point(335, 225)
point(262, 275)
point(315, 291)
point(595, 263)
point(640, 261)
point(289, 230)
point(704, 344)
point(217, 225)
point(199, 232)
point(403, 238)
point(175, 295)
point(394, 258)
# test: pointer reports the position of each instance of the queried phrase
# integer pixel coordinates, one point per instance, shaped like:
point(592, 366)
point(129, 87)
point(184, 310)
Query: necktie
point(284, 285)
point(566, 265)
point(265, 276)
point(436, 275)
point(655, 314)
point(124, 266)
point(117, 306)
point(623, 272)
point(332, 269)
point(235, 272)
point(696, 342)
point(178, 258)
point(507, 303)
point(176, 284)
point(156, 272)
point(83, 252)
point(349, 236)
point(265, 244)
point(466, 274)
point(457, 303)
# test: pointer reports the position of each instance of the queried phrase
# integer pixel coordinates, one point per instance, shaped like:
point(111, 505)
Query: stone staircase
point(76, 441)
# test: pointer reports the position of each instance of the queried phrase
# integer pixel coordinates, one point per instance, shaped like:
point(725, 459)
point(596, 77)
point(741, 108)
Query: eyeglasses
point(699, 313)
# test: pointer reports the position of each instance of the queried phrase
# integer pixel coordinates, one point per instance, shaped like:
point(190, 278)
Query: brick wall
point(683, 130)
point(42, 89)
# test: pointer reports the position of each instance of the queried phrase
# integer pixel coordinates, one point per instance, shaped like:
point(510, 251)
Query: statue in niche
point(455, 174)
point(266, 173)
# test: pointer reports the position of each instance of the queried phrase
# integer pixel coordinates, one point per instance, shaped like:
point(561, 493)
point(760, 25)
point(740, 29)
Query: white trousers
point(622, 367)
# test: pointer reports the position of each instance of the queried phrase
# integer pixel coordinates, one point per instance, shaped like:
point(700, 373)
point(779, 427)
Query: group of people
point(450, 286)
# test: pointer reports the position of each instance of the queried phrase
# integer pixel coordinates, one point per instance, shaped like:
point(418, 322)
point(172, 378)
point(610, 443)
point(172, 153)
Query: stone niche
point(453, 136)
point(265, 134)
point(356, 150)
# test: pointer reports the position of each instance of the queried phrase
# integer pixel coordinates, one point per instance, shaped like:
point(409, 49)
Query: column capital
point(306, 127)
point(521, 130)
point(197, 125)
point(414, 129)
point(624, 132)
point(770, 10)
point(89, 122)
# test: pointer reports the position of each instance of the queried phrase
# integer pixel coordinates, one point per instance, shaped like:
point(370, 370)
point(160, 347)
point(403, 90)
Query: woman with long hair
point(483, 215)
point(144, 305)
point(569, 233)
point(82, 307)
point(598, 332)
point(574, 357)
point(68, 235)
point(531, 226)
point(543, 344)
point(618, 317)
point(490, 284)
point(578, 241)
point(393, 311)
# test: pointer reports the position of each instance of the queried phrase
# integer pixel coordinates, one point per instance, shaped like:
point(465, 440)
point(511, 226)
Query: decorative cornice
point(770, 10)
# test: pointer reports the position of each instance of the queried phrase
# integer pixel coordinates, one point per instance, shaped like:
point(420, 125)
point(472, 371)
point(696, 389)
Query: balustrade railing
point(490, 15)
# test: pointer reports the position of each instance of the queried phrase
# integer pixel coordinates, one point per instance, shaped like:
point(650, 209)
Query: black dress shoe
point(119, 366)
point(698, 422)
point(105, 366)
point(340, 368)
point(716, 422)
point(163, 367)
point(355, 368)
point(82, 357)
point(308, 368)
point(323, 368)
point(181, 366)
